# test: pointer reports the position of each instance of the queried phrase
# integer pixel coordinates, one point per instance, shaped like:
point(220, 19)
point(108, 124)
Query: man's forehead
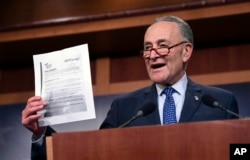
point(162, 30)
point(158, 41)
point(163, 27)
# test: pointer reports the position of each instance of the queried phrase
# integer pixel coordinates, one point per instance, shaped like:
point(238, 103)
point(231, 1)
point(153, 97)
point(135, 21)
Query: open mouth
point(159, 65)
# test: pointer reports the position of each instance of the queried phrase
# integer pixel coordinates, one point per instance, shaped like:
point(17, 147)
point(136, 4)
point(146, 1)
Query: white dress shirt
point(179, 96)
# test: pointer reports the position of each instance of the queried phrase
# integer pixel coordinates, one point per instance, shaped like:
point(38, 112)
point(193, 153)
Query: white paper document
point(63, 80)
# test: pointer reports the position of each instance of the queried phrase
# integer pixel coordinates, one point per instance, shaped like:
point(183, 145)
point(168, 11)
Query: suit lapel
point(192, 101)
point(150, 95)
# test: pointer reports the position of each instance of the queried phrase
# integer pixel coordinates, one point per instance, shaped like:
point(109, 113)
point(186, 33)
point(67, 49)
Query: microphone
point(145, 110)
point(212, 102)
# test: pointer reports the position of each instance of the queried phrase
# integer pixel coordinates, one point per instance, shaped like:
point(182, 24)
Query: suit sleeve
point(111, 118)
point(38, 152)
point(232, 106)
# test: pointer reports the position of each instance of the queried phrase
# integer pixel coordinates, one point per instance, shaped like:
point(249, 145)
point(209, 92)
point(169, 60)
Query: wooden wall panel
point(203, 61)
point(22, 80)
point(93, 71)
point(37, 10)
point(127, 69)
point(17, 80)
point(220, 59)
point(221, 65)
point(109, 71)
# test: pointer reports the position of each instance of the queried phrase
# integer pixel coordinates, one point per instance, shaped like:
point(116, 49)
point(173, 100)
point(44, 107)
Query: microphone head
point(146, 109)
point(209, 100)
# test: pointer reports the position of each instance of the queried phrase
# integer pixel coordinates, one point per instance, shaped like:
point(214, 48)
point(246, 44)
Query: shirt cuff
point(40, 140)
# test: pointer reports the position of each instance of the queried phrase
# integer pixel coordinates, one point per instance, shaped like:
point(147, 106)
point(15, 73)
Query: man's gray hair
point(185, 29)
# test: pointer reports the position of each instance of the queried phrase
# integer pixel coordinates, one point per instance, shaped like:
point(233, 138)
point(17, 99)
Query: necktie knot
point(168, 91)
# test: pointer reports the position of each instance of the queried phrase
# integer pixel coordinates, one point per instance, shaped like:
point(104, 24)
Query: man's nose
point(153, 53)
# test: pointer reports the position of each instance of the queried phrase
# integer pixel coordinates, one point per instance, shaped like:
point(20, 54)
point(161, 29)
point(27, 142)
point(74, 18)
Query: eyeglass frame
point(155, 49)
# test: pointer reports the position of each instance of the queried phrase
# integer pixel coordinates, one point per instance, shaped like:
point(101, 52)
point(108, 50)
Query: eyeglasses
point(161, 51)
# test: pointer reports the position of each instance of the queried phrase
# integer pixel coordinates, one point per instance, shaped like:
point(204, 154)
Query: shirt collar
point(180, 86)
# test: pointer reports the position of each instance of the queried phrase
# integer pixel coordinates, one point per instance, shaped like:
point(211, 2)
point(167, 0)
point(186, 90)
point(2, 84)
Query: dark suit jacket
point(126, 106)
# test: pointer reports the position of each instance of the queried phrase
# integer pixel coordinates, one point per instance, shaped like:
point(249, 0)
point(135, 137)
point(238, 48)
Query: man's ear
point(187, 52)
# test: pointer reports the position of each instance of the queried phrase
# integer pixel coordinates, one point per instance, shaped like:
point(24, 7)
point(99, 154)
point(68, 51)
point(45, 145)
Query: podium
point(193, 141)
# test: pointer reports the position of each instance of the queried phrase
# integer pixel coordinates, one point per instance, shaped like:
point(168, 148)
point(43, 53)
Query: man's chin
point(158, 80)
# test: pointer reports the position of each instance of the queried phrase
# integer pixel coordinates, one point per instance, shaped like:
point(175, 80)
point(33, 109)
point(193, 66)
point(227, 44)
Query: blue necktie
point(169, 113)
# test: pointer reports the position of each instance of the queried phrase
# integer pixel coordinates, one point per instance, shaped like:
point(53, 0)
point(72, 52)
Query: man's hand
point(30, 116)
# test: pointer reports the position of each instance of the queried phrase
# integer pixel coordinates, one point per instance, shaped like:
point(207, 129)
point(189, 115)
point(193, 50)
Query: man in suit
point(168, 46)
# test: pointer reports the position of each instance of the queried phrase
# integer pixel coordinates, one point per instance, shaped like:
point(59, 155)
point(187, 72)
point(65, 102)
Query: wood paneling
point(221, 43)
point(22, 80)
point(189, 141)
point(17, 80)
point(118, 23)
point(212, 26)
point(214, 66)
point(125, 87)
point(220, 59)
point(37, 10)
point(203, 61)
point(127, 69)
